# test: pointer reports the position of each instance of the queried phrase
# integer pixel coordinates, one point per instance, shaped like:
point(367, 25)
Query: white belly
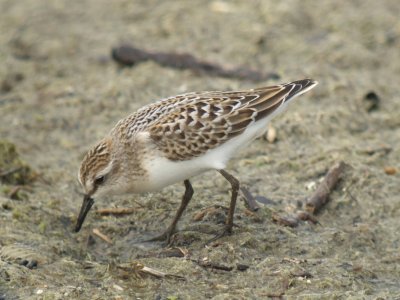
point(163, 172)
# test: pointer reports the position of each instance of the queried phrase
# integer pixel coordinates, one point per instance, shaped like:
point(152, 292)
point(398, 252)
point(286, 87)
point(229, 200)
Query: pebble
point(117, 287)
point(271, 135)
point(390, 170)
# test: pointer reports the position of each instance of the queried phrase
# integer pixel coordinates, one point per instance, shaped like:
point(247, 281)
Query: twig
point(384, 149)
point(139, 268)
point(211, 210)
point(277, 295)
point(285, 220)
point(102, 236)
point(129, 55)
point(316, 201)
point(173, 252)
point(305, 216)
point(116, 211)
point(321, 195)
point(211, 265)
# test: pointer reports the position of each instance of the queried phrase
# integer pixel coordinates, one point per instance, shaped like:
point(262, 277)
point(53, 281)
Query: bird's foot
point(227, 230)
point(165, 237)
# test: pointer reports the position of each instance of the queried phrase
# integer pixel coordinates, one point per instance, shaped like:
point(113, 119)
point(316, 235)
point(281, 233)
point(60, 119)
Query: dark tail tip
point(299, 87)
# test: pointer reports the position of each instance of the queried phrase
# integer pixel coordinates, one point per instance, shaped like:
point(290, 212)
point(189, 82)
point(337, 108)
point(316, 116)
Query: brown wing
point(211, 118)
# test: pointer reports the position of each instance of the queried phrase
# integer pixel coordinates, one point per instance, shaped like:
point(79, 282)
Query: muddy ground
point(61, 92)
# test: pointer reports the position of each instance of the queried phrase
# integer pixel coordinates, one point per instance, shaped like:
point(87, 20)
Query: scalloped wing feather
point(189, 125)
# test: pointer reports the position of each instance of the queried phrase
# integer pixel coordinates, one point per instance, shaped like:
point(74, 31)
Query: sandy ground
point(61, 92)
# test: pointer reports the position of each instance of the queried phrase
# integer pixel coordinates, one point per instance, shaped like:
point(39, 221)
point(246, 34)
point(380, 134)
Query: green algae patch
point(13, 170)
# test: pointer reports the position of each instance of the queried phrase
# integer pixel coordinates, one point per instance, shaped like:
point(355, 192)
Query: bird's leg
point(166, 235)
point(229, 221)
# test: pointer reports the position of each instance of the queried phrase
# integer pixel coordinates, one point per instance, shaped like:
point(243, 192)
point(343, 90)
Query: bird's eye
point(99, 180)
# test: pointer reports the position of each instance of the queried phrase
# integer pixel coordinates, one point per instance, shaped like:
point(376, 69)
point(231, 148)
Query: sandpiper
point(177, 138)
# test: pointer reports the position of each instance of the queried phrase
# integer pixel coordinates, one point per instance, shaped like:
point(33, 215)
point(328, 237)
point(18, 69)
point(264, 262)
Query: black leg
point(185, 201)
point(166, 236)
point(229, 221)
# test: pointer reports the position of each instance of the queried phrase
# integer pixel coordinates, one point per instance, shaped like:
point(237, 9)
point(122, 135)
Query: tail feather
point(270, 100)
point(299, 87)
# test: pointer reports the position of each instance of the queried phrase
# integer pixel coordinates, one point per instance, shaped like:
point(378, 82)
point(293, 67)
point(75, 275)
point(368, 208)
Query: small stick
point(173, 252)
point(385, 149)
point(116, 211)
point(208, 210)
point(101, 235)
point(215, 266)
point(129, 55)
point(321, 195)
point(142, 269)
point(305, 216)
point(153, 272)
point(285, 220)
point(277, 295)
point(159, 274)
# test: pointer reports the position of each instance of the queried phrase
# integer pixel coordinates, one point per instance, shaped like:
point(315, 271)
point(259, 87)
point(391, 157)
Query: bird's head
point(98, 176)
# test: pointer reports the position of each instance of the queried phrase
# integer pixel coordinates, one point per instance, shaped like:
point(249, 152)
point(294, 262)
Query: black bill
point(86, 205)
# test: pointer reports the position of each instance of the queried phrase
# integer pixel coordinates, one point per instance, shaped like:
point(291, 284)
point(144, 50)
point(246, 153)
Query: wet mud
point(61, 91)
